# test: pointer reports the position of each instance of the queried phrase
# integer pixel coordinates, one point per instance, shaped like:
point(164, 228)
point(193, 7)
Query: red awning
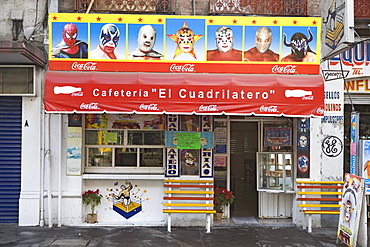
point(260, 95)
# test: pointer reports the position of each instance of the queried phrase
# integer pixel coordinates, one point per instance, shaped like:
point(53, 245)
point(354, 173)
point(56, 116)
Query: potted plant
point(222, 199)
point(92, 198)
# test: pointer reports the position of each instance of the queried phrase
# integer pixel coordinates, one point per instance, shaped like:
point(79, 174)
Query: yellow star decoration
point(187, 32)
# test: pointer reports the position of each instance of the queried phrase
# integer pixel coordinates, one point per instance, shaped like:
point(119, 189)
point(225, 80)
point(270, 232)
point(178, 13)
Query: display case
point(274, 171)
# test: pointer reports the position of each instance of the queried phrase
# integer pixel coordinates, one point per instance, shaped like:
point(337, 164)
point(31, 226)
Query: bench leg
point(168, 222)
point(208, 223)
point(309, 223)
point(304, 221)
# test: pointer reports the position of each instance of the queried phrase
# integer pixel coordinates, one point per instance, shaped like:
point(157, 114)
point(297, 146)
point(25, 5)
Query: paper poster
point(74, 144)
point(188, 140)
point(351, 209)
point(202, 139)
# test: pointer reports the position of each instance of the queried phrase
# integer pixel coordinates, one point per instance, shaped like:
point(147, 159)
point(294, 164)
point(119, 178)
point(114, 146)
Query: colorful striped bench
point(319, 197)
point(188, 197)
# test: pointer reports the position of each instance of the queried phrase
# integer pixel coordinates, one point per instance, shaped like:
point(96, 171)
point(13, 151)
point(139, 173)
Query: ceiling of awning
point(21, 53)
point(154, 93)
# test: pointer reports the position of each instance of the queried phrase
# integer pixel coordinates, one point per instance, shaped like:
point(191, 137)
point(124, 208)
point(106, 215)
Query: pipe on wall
point(48, 172)
point(60, 172)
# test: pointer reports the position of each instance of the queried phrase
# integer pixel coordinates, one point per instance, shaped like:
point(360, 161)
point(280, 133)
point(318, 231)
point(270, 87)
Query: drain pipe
point(60, 172)
point(48, 167)
point(42, 172)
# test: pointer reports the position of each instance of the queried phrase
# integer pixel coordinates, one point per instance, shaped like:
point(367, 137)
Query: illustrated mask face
point(224, 39)
point(263, 39)
point(109, 36)
point(299, 43)
point(185, 40)
point(69, 34)
point(146, 38)
point(302, 141)
point(189, 159)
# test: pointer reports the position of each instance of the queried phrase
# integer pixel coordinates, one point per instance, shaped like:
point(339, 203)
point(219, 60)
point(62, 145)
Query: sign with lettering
point(184, 44)
point(180, 139)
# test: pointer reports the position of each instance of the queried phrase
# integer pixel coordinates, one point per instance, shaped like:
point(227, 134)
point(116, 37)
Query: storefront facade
point(123, 126)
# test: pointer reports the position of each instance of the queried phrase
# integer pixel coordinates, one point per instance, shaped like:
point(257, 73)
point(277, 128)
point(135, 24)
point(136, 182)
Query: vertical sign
point(206, 154)
point(172, 164)
point(303, 148)
point(353, 142)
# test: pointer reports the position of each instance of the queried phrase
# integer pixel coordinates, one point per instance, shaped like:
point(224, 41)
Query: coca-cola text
point(150, 107)
point(182, 68)
point(84, 66)
point(288, 69)
point(208, 108)
point(89, 106)
point(272, 108)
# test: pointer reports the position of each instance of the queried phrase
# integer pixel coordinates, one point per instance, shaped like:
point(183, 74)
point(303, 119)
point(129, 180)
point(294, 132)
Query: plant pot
point(217, 216)
point(92, 218)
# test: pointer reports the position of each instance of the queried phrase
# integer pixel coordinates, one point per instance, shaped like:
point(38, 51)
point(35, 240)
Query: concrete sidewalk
point(265, 235)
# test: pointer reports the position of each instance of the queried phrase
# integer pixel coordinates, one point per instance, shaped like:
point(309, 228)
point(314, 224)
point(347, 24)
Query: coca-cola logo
point(320, 111)
point(84, 66)
point(307, 97)
point(182, 68)
point(208, 108)
point(272, 108)
point(288, 69)
point(89, 106)
point(78, 94)
point(150, 107)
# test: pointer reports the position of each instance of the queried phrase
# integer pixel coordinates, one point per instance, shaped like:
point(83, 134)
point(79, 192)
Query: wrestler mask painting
point(263, 39)
point(146, 38)
point(69, 34)
point(185, 39)
point(224, 39)
point(299, 44)
point(109, 36)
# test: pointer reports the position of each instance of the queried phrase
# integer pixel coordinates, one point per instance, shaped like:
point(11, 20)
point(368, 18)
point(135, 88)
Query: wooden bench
point(319, 197)
point(188, 197)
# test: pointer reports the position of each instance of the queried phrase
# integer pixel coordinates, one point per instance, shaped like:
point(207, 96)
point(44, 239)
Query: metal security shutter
point(10, 157)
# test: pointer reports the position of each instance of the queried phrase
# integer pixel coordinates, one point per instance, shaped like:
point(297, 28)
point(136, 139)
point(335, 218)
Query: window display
point(124, 141)
point(274, 171)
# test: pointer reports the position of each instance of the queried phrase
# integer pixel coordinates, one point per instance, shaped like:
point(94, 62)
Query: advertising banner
point(184, 44)
point(338, 27)
point(351, 211)
point(155, 93)
point(356, 70)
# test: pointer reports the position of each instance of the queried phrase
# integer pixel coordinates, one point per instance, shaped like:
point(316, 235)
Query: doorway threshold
point(253, 221)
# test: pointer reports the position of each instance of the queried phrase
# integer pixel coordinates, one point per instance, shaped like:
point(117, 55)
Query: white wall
point(29, 203)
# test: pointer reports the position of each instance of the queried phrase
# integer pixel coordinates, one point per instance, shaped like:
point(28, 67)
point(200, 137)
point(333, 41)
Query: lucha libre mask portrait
point(190, 158)
point(146, 38)
point(299, 43)
point(263, 39)
point(109, 36)
point(185, 39)
point(224, 39)
point(303, 141)
point(69, 34)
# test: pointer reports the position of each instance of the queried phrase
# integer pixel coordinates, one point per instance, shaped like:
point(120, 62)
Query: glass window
point(126, 157)
point(100, 157)
point(124, 141)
